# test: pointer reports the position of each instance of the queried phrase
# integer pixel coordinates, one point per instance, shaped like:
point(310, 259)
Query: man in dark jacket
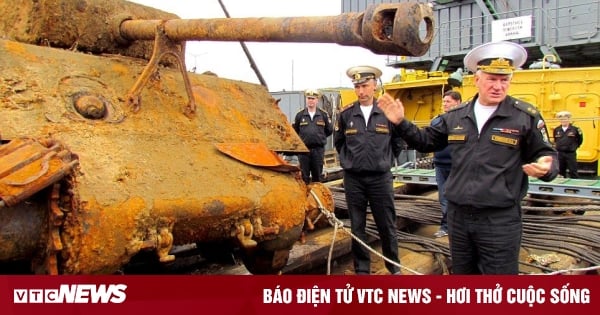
point(443, 162)
point(567, 139)
point(313, 125)
point(366, 144)
point(497, 141)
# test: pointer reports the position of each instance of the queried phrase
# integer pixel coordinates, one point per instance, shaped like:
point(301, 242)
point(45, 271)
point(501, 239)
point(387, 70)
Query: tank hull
point(154, 171)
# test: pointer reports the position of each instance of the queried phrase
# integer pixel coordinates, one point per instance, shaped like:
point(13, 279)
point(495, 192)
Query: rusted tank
point(110, 148)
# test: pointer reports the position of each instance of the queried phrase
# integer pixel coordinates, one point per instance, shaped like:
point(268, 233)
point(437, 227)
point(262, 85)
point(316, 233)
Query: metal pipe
point(400, 28)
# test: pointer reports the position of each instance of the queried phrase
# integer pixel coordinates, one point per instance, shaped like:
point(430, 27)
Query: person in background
point(366, 144)
point(443, 162)
point(313, 125)
point(496, 141)
point(567, 139)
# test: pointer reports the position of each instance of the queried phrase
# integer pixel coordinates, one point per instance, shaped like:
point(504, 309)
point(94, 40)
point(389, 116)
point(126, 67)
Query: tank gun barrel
point(401, 28)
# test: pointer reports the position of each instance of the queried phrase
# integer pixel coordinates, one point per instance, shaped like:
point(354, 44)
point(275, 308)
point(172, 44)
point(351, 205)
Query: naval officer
point(496, 141)
point(313, 125)
point(567, 139)
point(367, 145)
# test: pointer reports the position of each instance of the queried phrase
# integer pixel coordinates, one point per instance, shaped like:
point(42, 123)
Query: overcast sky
point(284, 66)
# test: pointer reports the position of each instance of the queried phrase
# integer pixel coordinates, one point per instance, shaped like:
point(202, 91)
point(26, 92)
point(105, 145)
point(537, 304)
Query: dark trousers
point(484, 241)
point(567, 161)
point(311, 164)
point(375, 190)
point(441, 174)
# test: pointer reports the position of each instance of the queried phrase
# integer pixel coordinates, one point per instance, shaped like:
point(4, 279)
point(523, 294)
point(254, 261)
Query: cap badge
point(497, 64)
point(500, 62)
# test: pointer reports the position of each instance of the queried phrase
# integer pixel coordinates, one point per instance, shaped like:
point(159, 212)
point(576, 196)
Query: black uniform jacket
point(313, 132)
point(487, 169)
point(569, 140)
point(365, 148)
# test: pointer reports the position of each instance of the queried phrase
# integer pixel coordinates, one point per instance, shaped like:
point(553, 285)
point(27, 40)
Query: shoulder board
point(323, 111)
point(436, 120)
point(301, 109)
point(528, 108)
point(458, 106)
point(347, 107)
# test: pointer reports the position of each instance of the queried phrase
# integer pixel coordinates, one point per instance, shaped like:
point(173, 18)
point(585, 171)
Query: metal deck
point(581, 188)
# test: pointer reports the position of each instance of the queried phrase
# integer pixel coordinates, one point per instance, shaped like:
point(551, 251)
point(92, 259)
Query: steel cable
point(577, 236)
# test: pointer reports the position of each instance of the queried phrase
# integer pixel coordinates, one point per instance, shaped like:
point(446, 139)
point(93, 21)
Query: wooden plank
point(315, 251)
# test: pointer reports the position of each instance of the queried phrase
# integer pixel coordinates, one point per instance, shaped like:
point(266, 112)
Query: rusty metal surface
point(318, 200)
point(28, 166)
point(76, 25)
point(383, 29)
point(257, 154)
point(114, 26)
point(170, 172)
point(22, 229)
point(141, 173)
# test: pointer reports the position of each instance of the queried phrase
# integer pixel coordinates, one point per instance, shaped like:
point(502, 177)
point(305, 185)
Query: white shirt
point(366, 110)
point(482, 114)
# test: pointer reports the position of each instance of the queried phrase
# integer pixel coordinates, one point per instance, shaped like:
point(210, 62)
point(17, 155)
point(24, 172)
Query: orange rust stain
point(15, 47)
point(20, 49)
point(106, 236)
point(25, 174)
point(325, 197)
point(27, 167)
point(239, 117)
point(238, 95)
point(284, 206)
point(205, 219)
point(208, 98)
point(120, 69)
point(229, 108)
point(251, 153)
point(186, 208)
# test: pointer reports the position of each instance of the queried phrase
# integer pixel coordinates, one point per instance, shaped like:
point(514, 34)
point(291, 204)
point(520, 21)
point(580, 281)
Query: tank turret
point(110, 148)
